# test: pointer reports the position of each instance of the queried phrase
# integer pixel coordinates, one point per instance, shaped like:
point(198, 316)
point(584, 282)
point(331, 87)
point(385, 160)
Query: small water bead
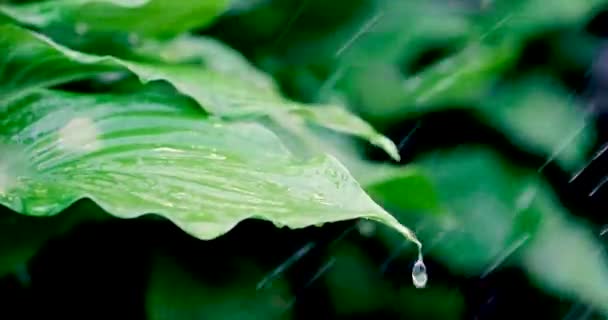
point(419, 276)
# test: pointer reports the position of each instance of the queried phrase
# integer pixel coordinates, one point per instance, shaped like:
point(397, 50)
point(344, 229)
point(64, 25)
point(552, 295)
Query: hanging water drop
point(419, 276)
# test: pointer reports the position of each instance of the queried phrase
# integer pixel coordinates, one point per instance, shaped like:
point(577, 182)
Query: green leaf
point(149, 153)
point(540, 115)
point(494, 213)
point(469, 80)
point(521, 17)
point(145, 17)
point(207, 52)
point(457, 79)
point(35, 61)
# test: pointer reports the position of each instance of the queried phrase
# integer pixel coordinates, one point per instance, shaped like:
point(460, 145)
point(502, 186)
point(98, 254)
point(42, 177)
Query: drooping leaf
point(145, 153)
point(494, 213)
point(410, 186)
point(145, 17)
point(35, 61)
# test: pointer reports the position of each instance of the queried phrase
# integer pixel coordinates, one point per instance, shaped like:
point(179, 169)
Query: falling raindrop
point(419, 276)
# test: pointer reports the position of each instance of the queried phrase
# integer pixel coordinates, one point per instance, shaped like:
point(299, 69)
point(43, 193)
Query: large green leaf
point(34, 61)
point(146, 17)
point(150, 153)
point(494, 213)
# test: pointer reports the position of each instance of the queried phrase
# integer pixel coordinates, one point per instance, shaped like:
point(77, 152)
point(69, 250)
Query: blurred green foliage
point(475, 209)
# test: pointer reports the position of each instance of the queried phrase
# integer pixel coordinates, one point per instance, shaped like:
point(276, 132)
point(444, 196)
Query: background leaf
point(519, 223)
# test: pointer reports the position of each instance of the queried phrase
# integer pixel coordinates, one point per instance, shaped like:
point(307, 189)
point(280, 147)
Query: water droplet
point(419, 276)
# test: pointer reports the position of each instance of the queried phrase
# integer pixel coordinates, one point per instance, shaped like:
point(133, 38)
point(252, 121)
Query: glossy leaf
point(148, 153)
point(145, 17)
point(36, 61)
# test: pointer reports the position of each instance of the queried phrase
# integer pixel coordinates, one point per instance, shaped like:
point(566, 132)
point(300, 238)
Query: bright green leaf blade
point(35, 61)
point(340, 120)
point(140, 154)
point(218, 57)
point(146, 17)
